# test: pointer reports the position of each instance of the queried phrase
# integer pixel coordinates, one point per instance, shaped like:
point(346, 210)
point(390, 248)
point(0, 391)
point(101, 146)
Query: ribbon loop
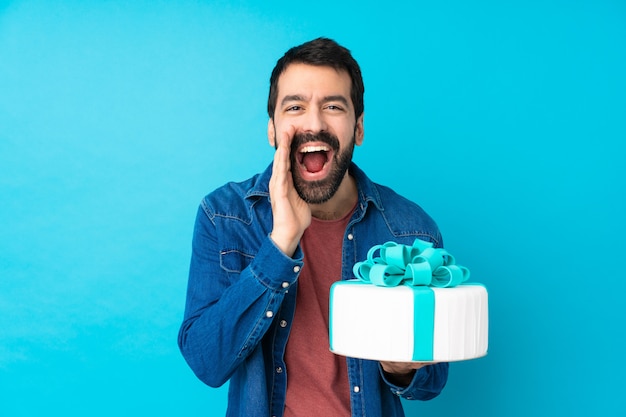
point(386, 275)
point(417, 265)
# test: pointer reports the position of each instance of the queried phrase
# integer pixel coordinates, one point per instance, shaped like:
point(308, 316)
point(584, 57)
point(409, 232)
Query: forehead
point(311, 80)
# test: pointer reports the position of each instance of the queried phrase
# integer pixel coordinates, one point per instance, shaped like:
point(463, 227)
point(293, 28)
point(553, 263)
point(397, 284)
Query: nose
point(313, 121)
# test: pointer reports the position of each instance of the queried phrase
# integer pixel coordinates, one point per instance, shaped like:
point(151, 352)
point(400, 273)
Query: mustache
point(300, 139)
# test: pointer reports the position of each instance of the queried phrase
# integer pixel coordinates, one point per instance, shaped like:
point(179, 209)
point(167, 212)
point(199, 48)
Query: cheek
point(278, 128)
point(348, 137)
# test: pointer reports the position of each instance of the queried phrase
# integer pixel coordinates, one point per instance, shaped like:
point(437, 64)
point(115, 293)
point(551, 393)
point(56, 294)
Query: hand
point(401, 373)
point(291, 214)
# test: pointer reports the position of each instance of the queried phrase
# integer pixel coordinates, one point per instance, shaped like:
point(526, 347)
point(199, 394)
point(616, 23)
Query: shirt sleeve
point(228, 312)
point(427, 382)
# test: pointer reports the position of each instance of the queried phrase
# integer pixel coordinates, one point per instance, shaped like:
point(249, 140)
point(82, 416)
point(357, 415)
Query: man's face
point(316, 102)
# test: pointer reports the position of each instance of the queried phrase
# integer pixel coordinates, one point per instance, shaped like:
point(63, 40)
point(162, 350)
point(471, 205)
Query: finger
point(285, 143)
point(287, 137)
point(282, 162)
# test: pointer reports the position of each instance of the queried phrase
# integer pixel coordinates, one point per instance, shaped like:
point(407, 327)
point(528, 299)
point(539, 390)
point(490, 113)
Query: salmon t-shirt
point(317, 380)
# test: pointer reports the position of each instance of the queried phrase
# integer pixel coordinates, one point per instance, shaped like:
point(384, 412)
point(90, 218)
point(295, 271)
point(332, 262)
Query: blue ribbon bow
point(417, 265)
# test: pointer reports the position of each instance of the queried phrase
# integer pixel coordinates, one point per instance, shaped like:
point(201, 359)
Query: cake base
point(408, 324)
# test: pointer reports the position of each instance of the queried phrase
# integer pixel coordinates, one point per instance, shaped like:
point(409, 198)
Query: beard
point(318, 192)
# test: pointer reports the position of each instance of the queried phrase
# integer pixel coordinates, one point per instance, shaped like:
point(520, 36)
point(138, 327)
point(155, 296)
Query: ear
point(271, 132)
point(358, 131)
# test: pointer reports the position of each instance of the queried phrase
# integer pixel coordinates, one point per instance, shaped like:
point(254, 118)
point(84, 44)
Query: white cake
point(401, 324)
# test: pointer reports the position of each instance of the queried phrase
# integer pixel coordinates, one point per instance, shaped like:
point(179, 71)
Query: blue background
point(506, 121)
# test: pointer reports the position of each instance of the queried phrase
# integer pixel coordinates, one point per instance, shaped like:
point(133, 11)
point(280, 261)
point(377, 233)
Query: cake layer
point(408, 323)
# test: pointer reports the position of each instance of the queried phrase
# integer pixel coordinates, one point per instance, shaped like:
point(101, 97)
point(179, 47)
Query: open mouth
point(314, 157)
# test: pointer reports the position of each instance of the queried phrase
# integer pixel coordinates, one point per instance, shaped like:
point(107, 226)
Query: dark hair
point(320, 52)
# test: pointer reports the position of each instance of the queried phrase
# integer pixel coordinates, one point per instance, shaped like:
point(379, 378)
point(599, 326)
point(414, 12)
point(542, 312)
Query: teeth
point(318, 148)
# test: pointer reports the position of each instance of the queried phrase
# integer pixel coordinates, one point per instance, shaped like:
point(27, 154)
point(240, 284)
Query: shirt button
point(269, 314)
point(285, 284)
point(283, 323)
point(350, 236)
point(357, 389)
point(279, 370)
point(296, 269)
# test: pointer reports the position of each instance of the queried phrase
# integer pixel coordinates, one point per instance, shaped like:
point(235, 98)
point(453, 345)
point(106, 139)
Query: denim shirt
point(242, 290)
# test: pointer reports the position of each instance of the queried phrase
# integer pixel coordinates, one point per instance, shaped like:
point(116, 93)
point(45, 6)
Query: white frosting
point(373, 322)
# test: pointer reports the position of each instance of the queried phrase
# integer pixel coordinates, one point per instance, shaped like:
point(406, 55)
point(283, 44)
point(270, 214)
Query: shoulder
point(401, 210)
point(404, 218)
point(235, 198)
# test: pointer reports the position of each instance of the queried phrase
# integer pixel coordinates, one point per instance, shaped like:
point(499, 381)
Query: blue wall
point(506, 122)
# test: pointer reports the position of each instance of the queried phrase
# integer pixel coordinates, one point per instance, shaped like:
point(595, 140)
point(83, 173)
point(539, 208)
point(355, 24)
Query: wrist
point(286, 245)
point(400, 379)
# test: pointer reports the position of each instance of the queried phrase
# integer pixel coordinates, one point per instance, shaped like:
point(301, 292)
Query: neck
point(340, 204)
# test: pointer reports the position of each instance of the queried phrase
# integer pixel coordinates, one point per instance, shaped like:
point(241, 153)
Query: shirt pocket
point(235, 260)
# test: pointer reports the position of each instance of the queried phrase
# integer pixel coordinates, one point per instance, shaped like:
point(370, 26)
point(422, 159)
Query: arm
point(226, 319)
point(291, 214)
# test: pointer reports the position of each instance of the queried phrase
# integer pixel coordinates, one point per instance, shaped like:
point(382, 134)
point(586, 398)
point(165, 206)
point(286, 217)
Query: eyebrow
point(339, 98)
point(296, 97)
point(293, 97)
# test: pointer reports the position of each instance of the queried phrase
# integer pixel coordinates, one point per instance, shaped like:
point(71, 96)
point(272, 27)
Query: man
point(265, 252)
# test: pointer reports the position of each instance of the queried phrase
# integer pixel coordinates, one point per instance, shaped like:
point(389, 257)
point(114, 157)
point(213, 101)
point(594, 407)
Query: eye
point(293, 108)
point(334, 107)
